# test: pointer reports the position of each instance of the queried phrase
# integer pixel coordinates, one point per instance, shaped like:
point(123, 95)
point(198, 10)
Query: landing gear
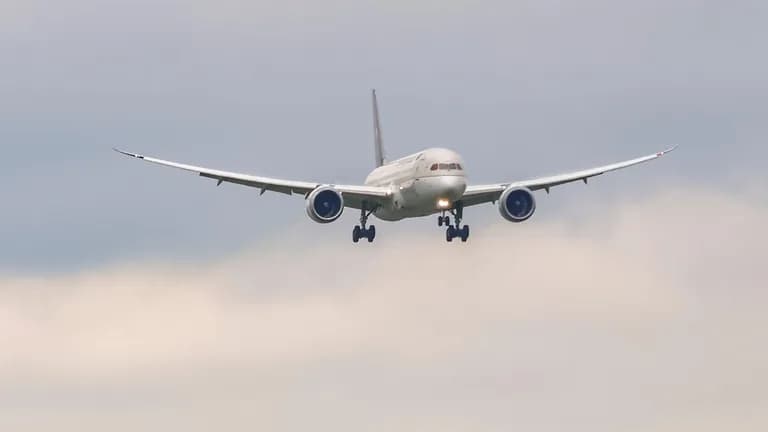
point(443, 220)
point(456, 231)
point(356, 234)
point(360, 231)
point(452, 233)
point(366, 233)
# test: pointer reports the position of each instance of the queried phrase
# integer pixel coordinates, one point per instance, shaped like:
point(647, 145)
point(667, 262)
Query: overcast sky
point(146, 298)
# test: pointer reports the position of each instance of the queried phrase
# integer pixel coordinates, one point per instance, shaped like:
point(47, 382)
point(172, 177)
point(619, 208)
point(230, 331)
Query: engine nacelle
point(325, 204)
point(517, 204)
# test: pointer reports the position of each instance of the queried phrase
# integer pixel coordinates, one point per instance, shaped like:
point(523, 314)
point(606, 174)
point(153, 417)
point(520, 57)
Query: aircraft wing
point(353, 195)
point(490, 193)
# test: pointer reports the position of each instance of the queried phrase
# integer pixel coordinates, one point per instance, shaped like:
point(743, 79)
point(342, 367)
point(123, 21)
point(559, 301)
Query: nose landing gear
point(443, 220)
point(453, 232)
point(360, 231)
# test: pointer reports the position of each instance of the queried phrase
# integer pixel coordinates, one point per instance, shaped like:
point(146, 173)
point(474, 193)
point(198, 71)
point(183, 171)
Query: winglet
point(134, 155)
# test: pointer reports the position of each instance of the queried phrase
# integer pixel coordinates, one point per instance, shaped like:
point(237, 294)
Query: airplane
point(432, 181)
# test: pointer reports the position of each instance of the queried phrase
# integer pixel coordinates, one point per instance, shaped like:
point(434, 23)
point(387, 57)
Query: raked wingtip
point(134, 155)
point(669, 150)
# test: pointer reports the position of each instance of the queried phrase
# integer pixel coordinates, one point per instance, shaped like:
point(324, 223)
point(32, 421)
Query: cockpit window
point(449, 166)
point(445, 166)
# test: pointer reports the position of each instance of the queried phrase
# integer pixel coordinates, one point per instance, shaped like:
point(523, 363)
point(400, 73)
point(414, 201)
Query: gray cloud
point(618, 308)
point(645, 316)
point(520, 88)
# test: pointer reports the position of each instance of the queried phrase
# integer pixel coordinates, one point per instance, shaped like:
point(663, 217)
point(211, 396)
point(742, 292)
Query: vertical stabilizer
point(377, 140)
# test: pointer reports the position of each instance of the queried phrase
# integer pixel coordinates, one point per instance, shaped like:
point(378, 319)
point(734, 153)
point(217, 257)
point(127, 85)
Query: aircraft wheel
point(356, 234)
point(465, 233)
point(371, 234)
point(439, 221)
point(450, 233)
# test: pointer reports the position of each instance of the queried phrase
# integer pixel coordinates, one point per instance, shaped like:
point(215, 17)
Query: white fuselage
point(422, 184)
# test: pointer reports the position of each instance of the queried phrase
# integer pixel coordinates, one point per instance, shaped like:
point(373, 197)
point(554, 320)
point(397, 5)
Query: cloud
point(643, 314)
point(280, 89)
point(647, 316)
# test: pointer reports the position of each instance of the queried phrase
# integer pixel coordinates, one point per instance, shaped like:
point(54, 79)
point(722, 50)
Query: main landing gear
point(452, 231)
point(360, 231)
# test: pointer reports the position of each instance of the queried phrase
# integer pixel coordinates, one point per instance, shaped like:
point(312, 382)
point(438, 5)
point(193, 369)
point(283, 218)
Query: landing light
point(443, 203)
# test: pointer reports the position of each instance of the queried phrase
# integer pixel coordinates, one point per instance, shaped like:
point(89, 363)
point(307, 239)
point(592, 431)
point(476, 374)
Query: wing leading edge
point(353, 195)
point(487, 193)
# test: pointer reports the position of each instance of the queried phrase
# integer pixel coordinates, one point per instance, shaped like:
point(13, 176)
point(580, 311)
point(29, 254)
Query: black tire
point(356, 234)
point(447, 220)
point(371, 233)
point(439, 221)
point(450, 234)
point(465, 233)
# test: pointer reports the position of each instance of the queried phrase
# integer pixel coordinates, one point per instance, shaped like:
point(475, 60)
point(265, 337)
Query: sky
point(137, 297)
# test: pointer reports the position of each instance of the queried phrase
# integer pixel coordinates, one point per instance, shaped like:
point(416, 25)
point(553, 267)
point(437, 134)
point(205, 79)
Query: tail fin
point(377, 140)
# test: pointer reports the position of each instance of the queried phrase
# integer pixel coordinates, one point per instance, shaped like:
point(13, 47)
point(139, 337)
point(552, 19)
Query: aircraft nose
point(454, 187)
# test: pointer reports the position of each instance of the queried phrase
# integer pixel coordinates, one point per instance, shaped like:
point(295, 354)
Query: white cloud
point(645, 318)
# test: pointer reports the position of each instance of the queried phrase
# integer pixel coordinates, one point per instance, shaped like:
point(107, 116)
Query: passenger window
point(433, 167)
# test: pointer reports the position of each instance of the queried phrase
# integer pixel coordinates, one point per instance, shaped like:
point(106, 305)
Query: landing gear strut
point(456, 231)
point(361, 231)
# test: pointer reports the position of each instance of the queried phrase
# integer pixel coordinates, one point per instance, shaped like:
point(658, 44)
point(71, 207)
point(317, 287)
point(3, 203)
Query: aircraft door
point(421, 167)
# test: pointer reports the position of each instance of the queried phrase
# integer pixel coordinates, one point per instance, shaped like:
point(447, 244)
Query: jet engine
point(517, 204)
point(325, 204)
